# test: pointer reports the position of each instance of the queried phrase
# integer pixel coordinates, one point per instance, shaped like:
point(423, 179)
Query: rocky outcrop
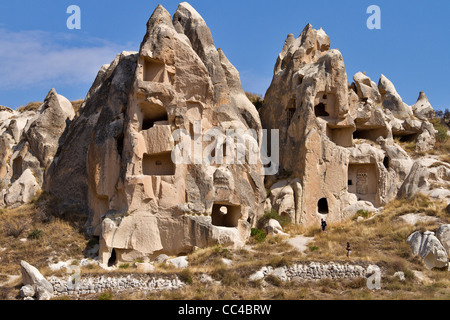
point(337, 141)
point(143, 111)
point(423, 109)
point(29, 141)
point(22, 190)
point(428, 176)
point(429, 248)
point(35, 283)
point(44, 133)
point(443, 234)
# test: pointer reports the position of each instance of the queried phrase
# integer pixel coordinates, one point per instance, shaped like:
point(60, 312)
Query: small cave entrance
point(320, 110)
point(322, 206)
point(371, 134)
point(225, 215)
point(113, 258)
point(17, 168)
point(386, 162)
point(119, 143)
point(160, 164)
point(406, 137)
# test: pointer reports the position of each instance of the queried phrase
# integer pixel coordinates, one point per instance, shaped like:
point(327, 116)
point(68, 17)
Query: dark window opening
point(350, 182)
point(320, 111)
point(386, 162)
point(17, 168)
point(406, 138)
point(324, 97)
point(149, 122)
point(323, 206)
point(370, 134)
point(299, 80)
point(112, 260)
point(225, 215)
point(119, 142)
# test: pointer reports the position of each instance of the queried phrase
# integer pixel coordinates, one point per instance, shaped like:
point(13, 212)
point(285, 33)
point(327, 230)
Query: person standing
point(349, 249)
point(323, 223)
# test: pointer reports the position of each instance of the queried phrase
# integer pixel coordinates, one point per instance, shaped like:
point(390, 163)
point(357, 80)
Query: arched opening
point(322, 206)
point(225, 215)
point(320, 111)
point(17, 168)
point(113, 259)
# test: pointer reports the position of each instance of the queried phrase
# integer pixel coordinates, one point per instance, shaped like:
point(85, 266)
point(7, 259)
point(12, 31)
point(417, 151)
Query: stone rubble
point(312, 271)
point(95, 285)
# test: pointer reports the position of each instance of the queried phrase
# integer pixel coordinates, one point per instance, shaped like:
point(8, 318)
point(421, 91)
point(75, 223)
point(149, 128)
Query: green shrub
point(124, 266)
point(258, 234)
point(441, 135)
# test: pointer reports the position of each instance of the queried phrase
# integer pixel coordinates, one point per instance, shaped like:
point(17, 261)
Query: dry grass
point(379, 240)
point(32, 106)
point(37, 231)
point(77, 104)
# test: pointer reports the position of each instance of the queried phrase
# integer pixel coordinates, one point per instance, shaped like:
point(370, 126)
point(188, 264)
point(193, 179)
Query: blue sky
point(38, 52)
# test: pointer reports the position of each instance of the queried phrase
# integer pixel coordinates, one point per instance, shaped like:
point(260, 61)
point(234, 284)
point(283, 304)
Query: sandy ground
point(300, 242)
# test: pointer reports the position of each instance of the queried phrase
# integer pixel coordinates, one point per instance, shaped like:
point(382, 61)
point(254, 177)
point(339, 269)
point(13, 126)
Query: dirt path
point(300, 242)
point(10, 280)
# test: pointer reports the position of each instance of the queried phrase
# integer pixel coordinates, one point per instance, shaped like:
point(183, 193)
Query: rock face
point(424, 176)
point(429, 248)
point(336, 140)
point(34, 282)
point(142, 111)
point(164, 155)
point(29, 142)
point(443, 234)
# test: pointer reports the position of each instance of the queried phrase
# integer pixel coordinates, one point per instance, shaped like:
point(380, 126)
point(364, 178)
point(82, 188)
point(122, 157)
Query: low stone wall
point(150, 283)
point(313, 271)
point(94, 285)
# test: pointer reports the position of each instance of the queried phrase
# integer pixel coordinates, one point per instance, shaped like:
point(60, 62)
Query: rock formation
point(430, 249)
point(29, 142)
point(164, 153)
point(337, 141)
point(141, 201)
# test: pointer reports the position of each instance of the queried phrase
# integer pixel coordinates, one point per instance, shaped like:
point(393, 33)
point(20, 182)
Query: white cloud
point(38, 58)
